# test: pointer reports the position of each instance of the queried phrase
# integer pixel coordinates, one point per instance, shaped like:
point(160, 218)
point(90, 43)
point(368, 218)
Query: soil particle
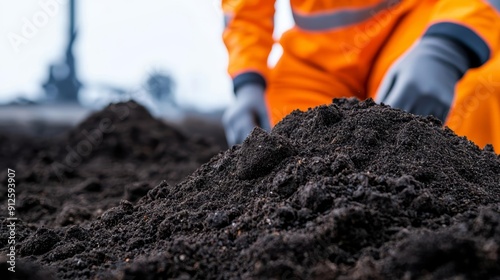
point(256, 159)
point(41, 242)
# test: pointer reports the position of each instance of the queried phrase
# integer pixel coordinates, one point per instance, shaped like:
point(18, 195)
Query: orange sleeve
point(474, 24)
point(248, 37)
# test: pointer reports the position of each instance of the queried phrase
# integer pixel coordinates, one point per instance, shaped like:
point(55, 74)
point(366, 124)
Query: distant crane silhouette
point(63, 84)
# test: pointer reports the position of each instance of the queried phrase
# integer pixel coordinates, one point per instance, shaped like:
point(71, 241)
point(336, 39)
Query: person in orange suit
point(428, 57)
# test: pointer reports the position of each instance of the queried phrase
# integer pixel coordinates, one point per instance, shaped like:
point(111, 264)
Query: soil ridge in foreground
point(352, 190)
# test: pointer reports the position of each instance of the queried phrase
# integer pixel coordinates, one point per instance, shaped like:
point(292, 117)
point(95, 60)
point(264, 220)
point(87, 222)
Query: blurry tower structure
point(63, 84)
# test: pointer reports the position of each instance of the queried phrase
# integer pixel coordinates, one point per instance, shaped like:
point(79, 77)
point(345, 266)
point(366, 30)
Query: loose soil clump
point(352, 190)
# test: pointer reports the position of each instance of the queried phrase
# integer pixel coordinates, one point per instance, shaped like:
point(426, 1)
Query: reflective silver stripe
point(228, 18)
point(340, 18)
point(495, 3)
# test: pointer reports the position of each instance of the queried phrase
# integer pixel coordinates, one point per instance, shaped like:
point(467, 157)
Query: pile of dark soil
point(349, 191)
point(118, 153)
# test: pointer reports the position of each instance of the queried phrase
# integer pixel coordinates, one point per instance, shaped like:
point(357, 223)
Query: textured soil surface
point(352, 190)
point(118, 153)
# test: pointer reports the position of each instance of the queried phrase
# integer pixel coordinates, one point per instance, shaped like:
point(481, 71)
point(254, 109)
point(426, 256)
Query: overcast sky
point(119, 43)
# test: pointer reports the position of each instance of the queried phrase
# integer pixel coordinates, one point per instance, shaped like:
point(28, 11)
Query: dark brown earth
point(348, 191)
point(119, 153)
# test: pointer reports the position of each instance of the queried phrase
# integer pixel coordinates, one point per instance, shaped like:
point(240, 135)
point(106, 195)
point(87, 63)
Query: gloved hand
point(423, 81)
point(248, 111)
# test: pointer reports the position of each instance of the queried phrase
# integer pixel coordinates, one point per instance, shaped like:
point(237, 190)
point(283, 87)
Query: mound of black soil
point(348, 191)
point(118, 153)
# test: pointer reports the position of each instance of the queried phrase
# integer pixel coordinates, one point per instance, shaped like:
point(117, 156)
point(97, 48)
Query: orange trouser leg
point(476, 109)
point(294, 84)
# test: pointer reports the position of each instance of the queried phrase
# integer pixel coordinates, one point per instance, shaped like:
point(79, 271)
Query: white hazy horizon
point(119, 43)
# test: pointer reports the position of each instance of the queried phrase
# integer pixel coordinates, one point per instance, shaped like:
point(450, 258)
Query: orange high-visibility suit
point(343, 48)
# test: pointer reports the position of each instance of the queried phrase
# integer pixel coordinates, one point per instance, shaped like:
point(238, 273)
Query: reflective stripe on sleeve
point(342, 17)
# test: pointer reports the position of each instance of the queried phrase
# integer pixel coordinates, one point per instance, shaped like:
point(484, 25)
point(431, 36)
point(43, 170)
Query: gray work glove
point(423, 81)
point(248, 111)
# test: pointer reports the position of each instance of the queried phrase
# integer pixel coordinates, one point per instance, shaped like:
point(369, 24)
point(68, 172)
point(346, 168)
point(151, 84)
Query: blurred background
point(61, 59)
